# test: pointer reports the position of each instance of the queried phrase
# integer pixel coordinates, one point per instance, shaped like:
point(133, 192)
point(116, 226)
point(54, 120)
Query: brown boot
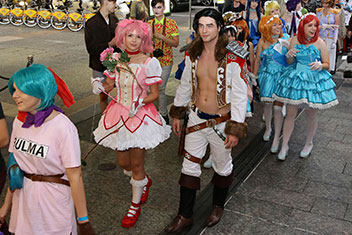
point(179, 224)
point(214, 216)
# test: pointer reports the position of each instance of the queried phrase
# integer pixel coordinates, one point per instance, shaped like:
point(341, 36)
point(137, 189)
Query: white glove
point(135, 106)
point(253, 78)
point(97, 85)
point(292, 53)
point(316, 65)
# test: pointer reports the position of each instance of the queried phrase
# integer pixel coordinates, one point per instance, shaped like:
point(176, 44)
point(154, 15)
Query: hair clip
point(305, 15)
point(272, 18)
point(267, 3)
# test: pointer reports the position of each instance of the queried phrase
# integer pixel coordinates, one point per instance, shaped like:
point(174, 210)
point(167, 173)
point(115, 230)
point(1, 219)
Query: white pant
point(331, 45)
point(196, 145)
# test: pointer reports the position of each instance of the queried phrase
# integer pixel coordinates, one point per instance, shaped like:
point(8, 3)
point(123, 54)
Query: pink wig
point(126, 26)
point(300, 36)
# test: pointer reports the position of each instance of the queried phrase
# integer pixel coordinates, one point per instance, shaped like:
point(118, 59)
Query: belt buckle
point(210, 122)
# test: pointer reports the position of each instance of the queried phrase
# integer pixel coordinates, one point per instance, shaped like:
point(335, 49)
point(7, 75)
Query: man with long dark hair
point(211, 83)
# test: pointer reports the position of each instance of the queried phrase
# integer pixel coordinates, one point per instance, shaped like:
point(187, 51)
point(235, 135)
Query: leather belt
point(192, 158)
point(48, 178)
point(208, 123)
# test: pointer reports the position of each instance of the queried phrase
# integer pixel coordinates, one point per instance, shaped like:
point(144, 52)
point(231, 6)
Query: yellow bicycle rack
point(16, 16)
point(44, 18)
point(29, 17)
point(4, 15)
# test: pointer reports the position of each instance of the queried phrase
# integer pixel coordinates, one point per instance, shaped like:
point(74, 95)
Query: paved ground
point(293, 197)
point(300, 196)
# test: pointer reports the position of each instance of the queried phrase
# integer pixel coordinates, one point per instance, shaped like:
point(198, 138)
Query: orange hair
point(243, 24)
point(266, 25)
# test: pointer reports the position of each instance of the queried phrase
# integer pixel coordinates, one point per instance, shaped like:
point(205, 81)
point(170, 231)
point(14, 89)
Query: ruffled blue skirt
point(306, 86)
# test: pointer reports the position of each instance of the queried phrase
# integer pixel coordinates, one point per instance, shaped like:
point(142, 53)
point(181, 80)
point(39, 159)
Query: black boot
point(185, 211)
point(219, 198)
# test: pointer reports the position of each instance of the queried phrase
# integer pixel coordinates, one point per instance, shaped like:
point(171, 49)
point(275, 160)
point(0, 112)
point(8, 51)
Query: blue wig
point(37, 81)
point(249, 7)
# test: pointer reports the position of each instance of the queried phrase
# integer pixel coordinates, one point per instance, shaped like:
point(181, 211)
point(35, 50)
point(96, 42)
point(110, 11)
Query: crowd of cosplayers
point(279, 53)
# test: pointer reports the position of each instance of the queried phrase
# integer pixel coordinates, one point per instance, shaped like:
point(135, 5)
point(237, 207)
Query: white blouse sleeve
point(153, 72)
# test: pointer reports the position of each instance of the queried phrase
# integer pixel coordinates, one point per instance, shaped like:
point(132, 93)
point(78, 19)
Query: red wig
point(143, 29)
point(300, 35)
point(243, 24)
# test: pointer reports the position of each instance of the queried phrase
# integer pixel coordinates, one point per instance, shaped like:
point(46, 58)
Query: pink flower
point(106, 53)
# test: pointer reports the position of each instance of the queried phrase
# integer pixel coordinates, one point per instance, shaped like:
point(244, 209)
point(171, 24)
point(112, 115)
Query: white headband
point(305, 15)
point(272, 18)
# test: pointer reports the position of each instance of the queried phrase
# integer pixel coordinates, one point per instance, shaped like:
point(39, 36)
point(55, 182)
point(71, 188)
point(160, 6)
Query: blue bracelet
point(82, 218)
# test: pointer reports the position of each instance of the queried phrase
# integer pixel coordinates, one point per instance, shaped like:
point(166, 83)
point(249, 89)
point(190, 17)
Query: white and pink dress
point(147, 128)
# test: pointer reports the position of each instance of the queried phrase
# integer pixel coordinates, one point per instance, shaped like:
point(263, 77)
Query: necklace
point(132, 52)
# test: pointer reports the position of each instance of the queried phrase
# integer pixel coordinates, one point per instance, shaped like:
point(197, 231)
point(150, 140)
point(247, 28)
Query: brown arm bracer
point(236, 128)
point(178, 112)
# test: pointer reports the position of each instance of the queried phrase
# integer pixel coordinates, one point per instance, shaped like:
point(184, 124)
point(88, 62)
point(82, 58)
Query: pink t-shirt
point(42, 207)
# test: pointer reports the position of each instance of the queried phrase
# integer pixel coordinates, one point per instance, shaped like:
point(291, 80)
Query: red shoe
point(132, 215)
point(145, 193)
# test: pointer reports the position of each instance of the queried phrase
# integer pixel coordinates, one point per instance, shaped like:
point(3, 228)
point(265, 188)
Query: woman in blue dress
point(269, 65)
point(307, 84)
point(252, 17)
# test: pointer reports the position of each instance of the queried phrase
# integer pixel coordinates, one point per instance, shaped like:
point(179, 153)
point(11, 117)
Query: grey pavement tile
point(347, 138)
point(279, 177)
point(348, 215)
point(329, 208)
point(339, 145)
point(335, 193)
point(348, 169)
point(279, 196)
point(258, 208)
point(337, 114)
point(319, 224)
point(230, 223)
point(339, 121)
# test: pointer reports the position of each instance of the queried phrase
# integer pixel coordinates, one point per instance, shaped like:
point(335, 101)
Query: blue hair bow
point(15, 174)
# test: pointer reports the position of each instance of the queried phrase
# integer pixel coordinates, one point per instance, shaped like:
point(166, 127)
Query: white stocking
point(268, 113)
point(137, 189)
point(312, 125)
point(289, 124)
point(278, 118)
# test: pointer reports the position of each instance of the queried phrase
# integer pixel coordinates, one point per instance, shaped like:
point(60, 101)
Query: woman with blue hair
point(45, 151)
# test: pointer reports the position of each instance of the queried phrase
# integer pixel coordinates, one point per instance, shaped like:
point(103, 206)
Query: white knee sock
point(137, 189)
point(128, 173)
point(268, 113)
point(278, 118)
point(312, 125)
point(289, 125)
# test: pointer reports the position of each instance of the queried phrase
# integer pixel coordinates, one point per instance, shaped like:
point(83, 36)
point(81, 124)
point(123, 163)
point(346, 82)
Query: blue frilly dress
point(273, 64)
point(301, 85)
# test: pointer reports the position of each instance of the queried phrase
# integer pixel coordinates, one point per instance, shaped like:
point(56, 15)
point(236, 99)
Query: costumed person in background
point(311, 5)
point(234, 6)
point(307, 84)
point(270, 63)
point(252, 16)
point(44, 165)
point(273, 8)
point(338, 6)
point(242, 38)
point(328, 29)
point(131, 124)
point(296, 10)
point(208, 65)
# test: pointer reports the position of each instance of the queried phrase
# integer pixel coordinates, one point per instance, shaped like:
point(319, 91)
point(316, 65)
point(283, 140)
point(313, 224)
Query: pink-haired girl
point(131, 117)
